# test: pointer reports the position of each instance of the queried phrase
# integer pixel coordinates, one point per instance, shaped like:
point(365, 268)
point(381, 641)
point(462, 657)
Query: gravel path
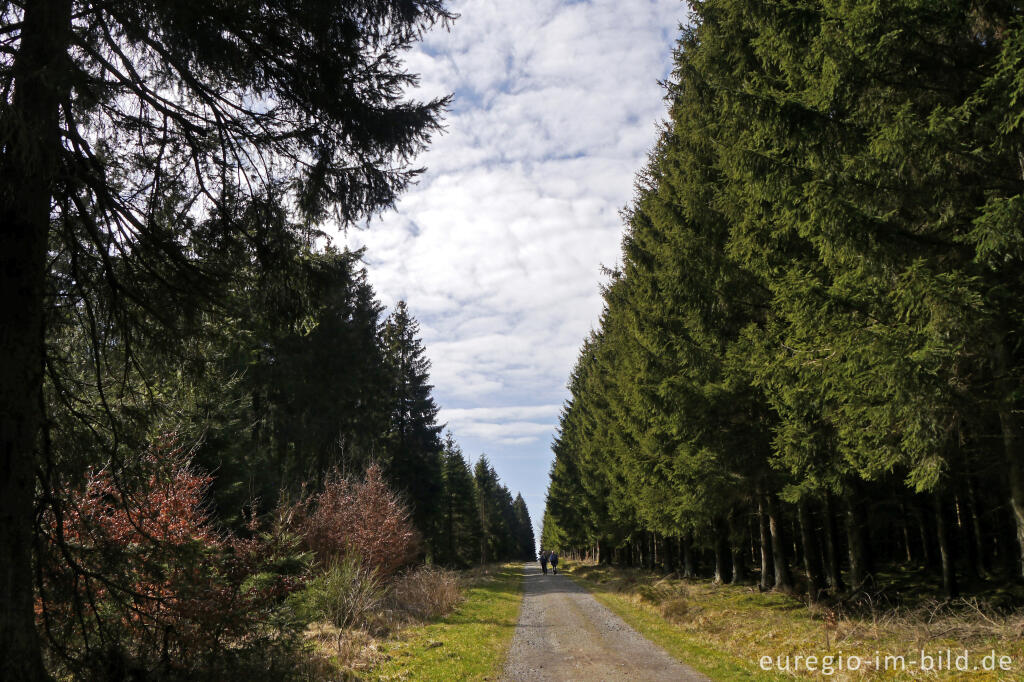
point(565, 634)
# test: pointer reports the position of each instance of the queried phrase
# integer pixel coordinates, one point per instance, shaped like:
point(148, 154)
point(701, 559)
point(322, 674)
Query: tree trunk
point(736, 543)
point(689, 570)
point(905, 534)
point(810, 554)
point(926, 542)
point(1013, 445)
point(750, 536)
point(965, 535)
point(766, 567)
point(982, 567)
point(856, 534)
point(719, 552)
point(28, 169)
point(832, 565)
point(797, 547)
point(942, 527)
point(779, 560)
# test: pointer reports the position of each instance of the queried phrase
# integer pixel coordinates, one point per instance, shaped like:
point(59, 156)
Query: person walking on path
point(553, 558)
point(544, 561)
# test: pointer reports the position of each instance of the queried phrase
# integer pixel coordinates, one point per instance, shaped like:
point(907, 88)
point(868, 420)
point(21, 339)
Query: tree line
point(808, 367)
point(296, 383)
point(166, 169)
point(297, 376)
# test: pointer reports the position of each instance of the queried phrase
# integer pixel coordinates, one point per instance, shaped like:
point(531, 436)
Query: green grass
point(722, 630)
point(471, 643)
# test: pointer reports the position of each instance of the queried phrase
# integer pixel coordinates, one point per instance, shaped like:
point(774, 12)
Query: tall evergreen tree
point(459, 532)
point(526, 543)
point(496, 534)
point(414, 446)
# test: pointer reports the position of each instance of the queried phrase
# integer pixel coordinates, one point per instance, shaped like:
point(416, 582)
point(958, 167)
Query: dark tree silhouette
point(122, 123)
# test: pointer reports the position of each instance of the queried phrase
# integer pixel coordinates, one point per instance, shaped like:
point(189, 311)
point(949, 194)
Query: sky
point(498, 249)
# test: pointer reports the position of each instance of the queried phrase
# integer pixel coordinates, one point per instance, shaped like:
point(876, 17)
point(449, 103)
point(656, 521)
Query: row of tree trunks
point(944, 530)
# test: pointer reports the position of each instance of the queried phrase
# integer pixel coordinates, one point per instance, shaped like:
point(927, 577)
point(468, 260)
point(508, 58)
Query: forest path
point(565, 634)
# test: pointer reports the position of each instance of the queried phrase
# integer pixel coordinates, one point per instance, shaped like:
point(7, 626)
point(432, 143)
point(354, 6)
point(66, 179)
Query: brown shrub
point(426, 592)
point(676, 610)
point(131, 560)
point(364, 518)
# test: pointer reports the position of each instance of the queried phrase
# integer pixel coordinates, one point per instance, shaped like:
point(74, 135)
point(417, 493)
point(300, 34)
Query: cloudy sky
point(498, 249)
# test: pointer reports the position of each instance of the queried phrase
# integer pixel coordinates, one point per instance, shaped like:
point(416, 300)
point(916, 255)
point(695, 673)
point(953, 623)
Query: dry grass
point(676, 610)
point(426, 592)
point(418, 596)
point(349, 653)
point(481, 576)
point(963, 623)
point(736, 625)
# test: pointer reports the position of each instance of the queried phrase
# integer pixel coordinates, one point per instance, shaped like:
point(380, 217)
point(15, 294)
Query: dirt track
point(565, 634)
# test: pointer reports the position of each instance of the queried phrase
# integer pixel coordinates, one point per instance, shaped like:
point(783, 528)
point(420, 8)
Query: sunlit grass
point(471, 643)
point(723, 630)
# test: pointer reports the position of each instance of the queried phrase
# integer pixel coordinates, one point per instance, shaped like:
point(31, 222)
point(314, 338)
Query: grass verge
point(468, 644)
point(723, 630)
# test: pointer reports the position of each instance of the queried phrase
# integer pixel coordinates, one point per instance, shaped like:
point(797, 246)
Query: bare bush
point(364, 518)
point(426, 592)
point(676, 610)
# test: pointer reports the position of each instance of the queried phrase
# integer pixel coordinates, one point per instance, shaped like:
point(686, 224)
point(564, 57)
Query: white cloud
point(512, 412)
point(514, 425)
point(498, 248)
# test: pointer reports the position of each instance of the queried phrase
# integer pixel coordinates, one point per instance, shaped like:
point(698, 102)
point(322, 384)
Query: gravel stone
point(565, 634)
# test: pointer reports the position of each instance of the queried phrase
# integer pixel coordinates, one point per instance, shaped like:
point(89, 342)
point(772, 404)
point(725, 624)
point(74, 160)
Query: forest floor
point(564, 634)
point(726, 631)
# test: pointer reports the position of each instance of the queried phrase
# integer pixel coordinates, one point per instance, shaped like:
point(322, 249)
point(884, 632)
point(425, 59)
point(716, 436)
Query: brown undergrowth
point(352, 650)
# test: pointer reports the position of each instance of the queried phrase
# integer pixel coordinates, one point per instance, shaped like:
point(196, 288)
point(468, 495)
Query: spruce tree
point(525, 541)
point(413, 446)
point(496, 536)
point(459, 532)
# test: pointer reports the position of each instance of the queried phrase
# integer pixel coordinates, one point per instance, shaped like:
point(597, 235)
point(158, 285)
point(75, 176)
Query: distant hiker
point(553, 558)
point(544, 561)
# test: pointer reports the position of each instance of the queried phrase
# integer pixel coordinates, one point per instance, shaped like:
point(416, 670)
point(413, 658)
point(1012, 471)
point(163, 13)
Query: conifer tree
point(813, 320)
point(496, 536)
point(525, 541)
point(459, 532)
point(414, 446)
